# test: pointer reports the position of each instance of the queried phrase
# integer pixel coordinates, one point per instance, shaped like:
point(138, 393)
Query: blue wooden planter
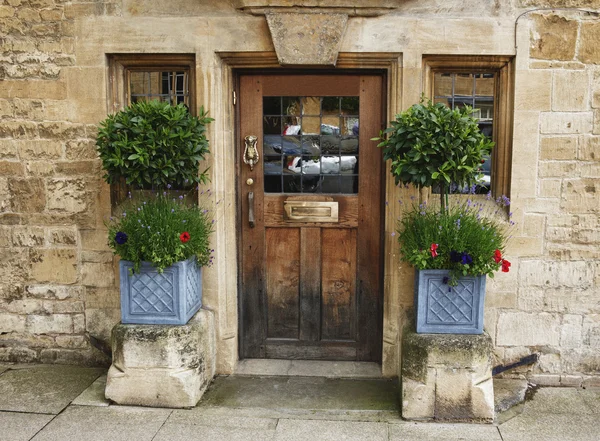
point(168, 298)
point(444, 309)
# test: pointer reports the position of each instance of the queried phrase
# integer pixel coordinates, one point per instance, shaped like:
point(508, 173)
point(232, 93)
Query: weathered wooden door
point(311, 218)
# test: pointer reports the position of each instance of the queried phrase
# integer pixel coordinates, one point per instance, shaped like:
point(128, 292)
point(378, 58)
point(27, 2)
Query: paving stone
point(21, 426)
point(295, 430)
point(176, 432)
point(303, 393)
point(93, 395)
point(551, 427)
point(44, 389)
point(199, 417)
point(557, 400)
point(592, 399)
point(443, 432)
point(114, 423)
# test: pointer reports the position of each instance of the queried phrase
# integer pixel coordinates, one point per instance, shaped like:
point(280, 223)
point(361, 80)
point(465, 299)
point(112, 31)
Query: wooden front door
point(311, 283)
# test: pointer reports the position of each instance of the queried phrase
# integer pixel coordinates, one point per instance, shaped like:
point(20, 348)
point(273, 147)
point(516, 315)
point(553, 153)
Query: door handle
point(251, 208)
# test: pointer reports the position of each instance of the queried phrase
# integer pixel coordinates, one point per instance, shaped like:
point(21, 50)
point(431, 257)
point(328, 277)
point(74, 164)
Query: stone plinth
point(447, 377)
point(162, 365)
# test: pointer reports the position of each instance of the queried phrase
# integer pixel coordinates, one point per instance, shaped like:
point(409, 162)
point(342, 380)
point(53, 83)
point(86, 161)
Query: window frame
point(118, 89)
point(503, 68)
point(120, 65)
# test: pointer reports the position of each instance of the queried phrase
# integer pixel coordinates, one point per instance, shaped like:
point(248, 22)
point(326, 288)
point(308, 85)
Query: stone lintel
point(162, 365)
point(307, 39)
point(447, 377)
point(361, 8)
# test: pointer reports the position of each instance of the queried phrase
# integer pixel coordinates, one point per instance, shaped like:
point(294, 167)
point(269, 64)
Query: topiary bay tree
point(432, 145)
point(152, 144)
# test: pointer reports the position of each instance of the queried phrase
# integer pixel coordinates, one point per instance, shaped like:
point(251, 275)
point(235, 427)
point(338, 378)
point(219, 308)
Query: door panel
point(311, 283)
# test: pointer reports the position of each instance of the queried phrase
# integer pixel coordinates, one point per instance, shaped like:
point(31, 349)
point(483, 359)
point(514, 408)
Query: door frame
point(384, 65)
point(368, 342)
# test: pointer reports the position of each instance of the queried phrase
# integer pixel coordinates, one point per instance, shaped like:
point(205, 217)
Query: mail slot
point(310, 211)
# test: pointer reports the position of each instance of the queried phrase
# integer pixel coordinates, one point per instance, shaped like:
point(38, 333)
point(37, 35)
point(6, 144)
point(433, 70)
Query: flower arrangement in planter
point(163, 243)
point(163, 240)
point(453, 247)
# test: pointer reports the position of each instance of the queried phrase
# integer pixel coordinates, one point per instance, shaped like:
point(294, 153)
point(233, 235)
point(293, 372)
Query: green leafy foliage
point(430, 144)
point(467, 238)
point(151, 144)
point(151, 230)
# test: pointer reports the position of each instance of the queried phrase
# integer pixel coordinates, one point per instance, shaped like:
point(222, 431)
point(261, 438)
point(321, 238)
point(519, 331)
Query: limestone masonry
point(59, 295)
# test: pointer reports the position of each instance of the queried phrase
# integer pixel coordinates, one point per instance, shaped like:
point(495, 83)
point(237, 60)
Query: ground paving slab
point(268, 408)
point(114, 423)
point(16, 426)
point(44, 389)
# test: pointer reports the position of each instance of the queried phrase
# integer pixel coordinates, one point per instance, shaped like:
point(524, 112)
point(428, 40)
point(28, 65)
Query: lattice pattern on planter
point(192, 288)
point(152, 292)
point(442, 309)
point(451, 304)
point(168, 298)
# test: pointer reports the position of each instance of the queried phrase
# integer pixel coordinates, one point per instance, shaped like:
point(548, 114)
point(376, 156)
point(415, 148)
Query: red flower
point(184, 237)
point(433, 249)
point(497, 256)
point(505, 265)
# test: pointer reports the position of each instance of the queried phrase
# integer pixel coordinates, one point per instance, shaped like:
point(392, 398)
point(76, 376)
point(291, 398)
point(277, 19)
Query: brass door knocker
point(250, 151)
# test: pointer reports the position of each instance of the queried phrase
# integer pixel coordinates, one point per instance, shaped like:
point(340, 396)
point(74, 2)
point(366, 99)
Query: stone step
point(304, 397)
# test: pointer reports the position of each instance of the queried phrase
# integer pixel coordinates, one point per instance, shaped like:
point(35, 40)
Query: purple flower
point(172, 210)
point(124, 213)
point(120, 238)
point(466, 259)
point(445, 280)
point(181, 197)
point(168, 185)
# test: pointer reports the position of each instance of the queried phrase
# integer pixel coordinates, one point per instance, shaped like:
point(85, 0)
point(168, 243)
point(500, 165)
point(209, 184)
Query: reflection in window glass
point(310, 144)
point(164, 86)
point(477, 90)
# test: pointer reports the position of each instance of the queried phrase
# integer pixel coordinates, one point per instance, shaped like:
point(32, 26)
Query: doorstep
point(307, 368)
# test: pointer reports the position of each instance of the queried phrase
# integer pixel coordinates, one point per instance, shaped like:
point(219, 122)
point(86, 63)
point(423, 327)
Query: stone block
point(28, 236)
point(50, 324)
point(8, 149)
point(557, 169)
point(566, 122)
point(571, 331)
point(525, 329)
point(11, 323)
point(57, 292)
point(447, 377)
point(591, 330)
point(62, 236)
point(96, 240)
point(581, 195)
point(307, 39)
point(588, 46)
point(555, 274)
point(54, 265)
point(97, 274)
point(11, 168)
point(67, 195)
point(162, 365)
point(28, 195)
point(533, 90)
point(549, 188)
point(39, 149)
point(570, 90)
point(558, 148)
point(553, 37)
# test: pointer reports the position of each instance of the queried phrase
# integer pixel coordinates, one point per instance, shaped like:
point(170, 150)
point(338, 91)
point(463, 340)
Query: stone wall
point(555, 308)
point(49, 189)
point(58, 277)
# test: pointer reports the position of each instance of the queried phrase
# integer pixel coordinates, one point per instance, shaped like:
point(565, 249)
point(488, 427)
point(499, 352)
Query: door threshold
point(308, 368)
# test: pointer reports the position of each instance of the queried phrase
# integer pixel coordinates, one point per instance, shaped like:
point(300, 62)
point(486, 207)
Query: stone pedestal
point(447, 377)
point(162, 365)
